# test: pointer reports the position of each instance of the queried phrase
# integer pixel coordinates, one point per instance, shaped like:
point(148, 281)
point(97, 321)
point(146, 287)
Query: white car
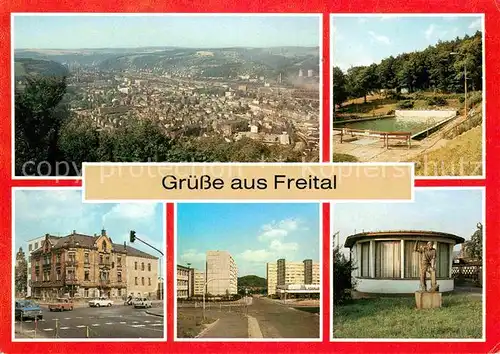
point(102, 301)
point(142, 302)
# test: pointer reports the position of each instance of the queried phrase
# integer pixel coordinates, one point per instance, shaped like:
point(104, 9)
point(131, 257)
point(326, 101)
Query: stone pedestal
point(428, 299)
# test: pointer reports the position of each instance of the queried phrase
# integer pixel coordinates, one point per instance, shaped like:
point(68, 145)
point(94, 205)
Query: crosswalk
point(135, 324)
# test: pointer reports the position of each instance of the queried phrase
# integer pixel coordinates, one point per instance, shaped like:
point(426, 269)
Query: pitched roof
point(76, 239)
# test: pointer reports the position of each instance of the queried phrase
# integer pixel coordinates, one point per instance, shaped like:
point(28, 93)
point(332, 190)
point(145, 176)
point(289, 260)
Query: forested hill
point(27, 66)
point(252, 281)
point(440, 67)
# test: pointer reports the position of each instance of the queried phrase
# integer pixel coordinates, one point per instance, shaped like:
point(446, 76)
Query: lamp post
point(465, 83)
point(205, 290)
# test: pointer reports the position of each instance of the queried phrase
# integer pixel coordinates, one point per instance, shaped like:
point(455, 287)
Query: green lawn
point(460, 317)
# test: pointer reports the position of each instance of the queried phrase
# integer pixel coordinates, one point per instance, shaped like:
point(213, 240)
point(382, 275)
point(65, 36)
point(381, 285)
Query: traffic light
point(132, 236)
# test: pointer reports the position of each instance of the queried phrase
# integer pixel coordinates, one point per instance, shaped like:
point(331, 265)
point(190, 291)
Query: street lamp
point(205, 290)
point(465, 82)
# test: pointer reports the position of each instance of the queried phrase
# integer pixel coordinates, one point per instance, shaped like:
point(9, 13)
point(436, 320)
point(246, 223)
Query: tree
point(342, 276)
point(340, 94)
point(21, 274)
point(474, 247)
point(38, 119)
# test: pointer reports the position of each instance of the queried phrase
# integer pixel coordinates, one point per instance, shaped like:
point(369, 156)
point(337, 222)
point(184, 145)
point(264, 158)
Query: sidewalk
point(229, 325)
point(156, 311)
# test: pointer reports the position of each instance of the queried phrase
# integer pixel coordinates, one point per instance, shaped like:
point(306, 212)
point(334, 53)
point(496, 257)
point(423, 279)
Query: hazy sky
point(363, 40)
point(85, 31)
point(253, 234)
point(60, 211)
point(456, 211)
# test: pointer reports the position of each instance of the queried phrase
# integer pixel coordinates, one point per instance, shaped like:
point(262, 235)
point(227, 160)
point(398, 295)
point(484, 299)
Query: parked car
point(62, 304)
point(102, 301)
point(27, 309)
point(142, 302)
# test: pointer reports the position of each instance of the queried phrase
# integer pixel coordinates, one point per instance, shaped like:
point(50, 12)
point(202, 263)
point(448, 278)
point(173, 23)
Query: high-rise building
point(199, 282)
point(272, 277)
point(222, 273)
point(309, 73)
point(301, 73)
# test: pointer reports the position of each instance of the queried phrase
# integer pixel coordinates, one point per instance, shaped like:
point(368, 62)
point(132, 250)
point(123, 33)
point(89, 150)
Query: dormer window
point(104, 246)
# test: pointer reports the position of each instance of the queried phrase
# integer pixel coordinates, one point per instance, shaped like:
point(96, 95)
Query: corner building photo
point(91, 266)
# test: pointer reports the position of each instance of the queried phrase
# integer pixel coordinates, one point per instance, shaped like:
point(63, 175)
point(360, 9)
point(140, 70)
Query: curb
point(155, 314)
point(210, 325)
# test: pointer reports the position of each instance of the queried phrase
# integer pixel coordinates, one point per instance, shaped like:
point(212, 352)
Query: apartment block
point(199, 282)
point(283, 272)
point(222, 273)
point(184, 276)
point(272, 277)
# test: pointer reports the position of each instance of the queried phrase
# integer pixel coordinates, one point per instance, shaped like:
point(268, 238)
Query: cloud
point(192, 256)
point(126, 211)
point(281, 247)
point(257, 256)
point(430, 31)
point(476, 24)
point(278, 230)
point(380, 38)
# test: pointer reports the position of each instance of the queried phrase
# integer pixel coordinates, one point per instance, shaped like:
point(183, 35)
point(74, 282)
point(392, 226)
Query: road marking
point(68, 318)
point(135, 322)
point(81, 326)
point(138, 325)
point(79, 317)
point(123, 322)
point(156, 324)
point(30, 331)
point(63, 327)
point(95, 325)
point(254, 328)
point(48, 329)
point(41, 320)
point(147, 321)
point(159, 321)
point(110, 323)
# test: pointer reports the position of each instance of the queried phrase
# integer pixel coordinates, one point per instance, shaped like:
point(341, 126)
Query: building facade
point(272, 277)
point(385, 261)
point(198, 282)
point(84, 266)
point(283, 273)
point(142, 273)
point(222, 274)
point(184, 281)
point(33, 245)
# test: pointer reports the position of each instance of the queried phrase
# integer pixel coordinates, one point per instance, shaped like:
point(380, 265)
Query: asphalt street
point(265, 319)
point(99, 322)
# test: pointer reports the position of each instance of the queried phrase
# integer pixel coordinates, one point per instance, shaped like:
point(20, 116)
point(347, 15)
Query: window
point(86, 293)
point(149, 267)
point(365, 259)
point(36, 245)
point(412, 260)
point(58, 274)
point(142, 266)
point(388, 259)
point(30, 247)
point(135, 265)
point(149, 281)
point(101, 259)
point(136, 282)
point(107, 259)
point(119, 260)
point(87, 258)
point(70, 274)
point(119, 275)
point(142, 280)
point(87, 275)
point(58, 258)
point(119, 292)
point(443, 260)
point(104, 246)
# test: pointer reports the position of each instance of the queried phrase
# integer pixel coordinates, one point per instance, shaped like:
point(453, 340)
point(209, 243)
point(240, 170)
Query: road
point(103, 322)
point(265, 319)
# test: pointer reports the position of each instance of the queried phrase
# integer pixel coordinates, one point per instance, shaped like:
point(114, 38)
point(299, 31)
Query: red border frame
point(490, 8)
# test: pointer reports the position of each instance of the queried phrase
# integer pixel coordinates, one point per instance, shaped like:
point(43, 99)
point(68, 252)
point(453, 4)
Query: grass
point(396, 317)
point(190, 322)
point(461, 156)
point(343, 158)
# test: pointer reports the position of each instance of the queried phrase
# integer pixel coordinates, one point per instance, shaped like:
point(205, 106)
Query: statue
point(427, 264)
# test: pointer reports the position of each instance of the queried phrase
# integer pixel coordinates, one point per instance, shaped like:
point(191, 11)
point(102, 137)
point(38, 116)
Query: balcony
point(71, 263)
point(72, 281)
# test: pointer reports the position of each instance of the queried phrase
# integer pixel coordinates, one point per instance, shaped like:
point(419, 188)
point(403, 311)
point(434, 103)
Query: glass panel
point(411, 260)
point(388, 259)
point(365, 259)
point(443, 260)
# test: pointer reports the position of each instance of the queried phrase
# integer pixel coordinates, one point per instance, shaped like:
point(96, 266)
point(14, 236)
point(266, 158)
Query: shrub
point(436, 101)
point(390, 112)
point(406, 104)
point(342, 278)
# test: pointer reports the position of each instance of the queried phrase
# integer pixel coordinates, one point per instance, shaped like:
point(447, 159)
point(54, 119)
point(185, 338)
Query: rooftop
point(352, 239)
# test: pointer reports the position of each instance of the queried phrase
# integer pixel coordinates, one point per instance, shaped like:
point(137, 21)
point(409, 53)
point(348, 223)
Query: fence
point(471, 272)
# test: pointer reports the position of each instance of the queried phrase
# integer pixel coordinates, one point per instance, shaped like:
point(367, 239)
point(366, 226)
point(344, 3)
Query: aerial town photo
point(416, 274)
point(164, 88)
point(86, 271)
point(265, 286)
point(409, 89)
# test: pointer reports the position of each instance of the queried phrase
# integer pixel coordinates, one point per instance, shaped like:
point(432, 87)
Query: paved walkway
point(230, 325)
